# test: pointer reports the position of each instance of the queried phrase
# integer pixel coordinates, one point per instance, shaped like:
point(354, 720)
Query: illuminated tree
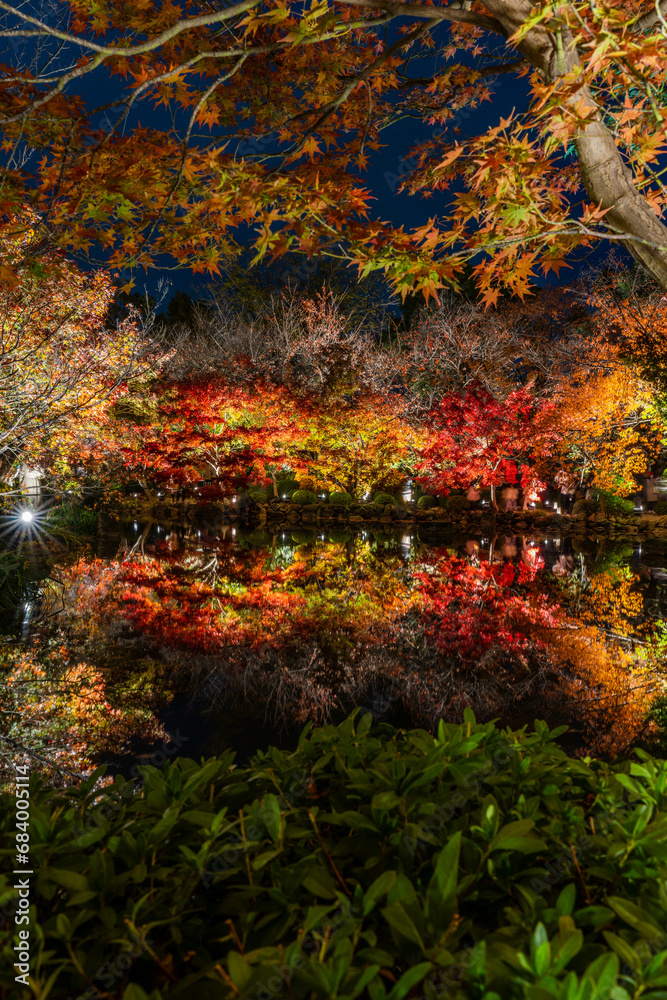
point(477, 438)
point(59, 366)
point(274, 109)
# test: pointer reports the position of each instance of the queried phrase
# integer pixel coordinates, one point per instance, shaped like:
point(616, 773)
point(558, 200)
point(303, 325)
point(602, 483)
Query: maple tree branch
point(450, 14)
point(652, 17)
point(360, 77)
point(496, 69)
point(116, 50)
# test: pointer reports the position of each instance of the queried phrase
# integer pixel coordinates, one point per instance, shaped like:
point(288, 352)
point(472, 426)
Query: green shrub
point(258, 494)
point(457, 502)
point(73, 519)
point(302, 536)
point(427, 501)
point(260, 538)
point(366, 855)
point(341, 499)
point(384, 499)
point(303, 496)
point(287, 489)
point(610, 504)
point(661, 507)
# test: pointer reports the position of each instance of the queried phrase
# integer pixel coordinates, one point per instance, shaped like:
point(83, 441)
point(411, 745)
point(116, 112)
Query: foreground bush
point(367, 863)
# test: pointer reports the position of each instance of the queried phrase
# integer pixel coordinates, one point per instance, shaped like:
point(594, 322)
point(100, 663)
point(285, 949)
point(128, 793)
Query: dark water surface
point(245, 635)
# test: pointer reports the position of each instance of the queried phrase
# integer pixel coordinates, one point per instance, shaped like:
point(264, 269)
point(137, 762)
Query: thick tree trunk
point(604, 174)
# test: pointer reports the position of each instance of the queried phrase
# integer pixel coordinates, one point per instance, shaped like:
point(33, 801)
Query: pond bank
point(281, 514)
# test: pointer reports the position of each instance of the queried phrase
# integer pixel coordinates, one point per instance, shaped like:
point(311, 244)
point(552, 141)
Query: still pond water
point(198, 641)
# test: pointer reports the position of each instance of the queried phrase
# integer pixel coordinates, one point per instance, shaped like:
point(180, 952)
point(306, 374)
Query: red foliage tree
point(477, 438)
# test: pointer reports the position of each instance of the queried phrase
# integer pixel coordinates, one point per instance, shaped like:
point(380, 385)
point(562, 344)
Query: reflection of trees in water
point(306, 628)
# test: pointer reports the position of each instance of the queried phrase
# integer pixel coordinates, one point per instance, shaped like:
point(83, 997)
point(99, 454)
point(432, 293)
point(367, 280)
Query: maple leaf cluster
point(272, 109)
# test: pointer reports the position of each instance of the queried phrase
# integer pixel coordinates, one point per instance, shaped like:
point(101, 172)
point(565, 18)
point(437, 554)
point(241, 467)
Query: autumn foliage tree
point(610, 426)
point(477, 438)
point(273, 109)
point(59, 366)
point(205, 428)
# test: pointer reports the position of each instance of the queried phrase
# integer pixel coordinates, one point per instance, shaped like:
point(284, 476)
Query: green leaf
point(570, 947)
point(385, 801)
point(396, 917)
point(408, 980)
point(625, 952)
point(239, 970)
point(567, 897)
point(511, 838)
point(319, 882)
point(604, 973)
point(69, 880)
point(203, 777)
point(637, 918)
point(272, 817)
point(134, 992)
point(377, 889)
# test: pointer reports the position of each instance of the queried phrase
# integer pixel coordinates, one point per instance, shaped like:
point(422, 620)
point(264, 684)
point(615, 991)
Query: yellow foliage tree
point(610, 425)
point(59, 365)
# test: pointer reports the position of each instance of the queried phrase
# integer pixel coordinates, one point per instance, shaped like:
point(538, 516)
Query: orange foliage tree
point(273, 109)
point(609, 424)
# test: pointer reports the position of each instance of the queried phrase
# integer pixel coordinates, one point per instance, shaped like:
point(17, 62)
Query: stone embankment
point(280, 514)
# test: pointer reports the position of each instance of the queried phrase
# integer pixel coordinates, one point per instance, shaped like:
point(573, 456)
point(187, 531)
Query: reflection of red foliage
point(302, 638)
point(469, 609)
point(466, 609)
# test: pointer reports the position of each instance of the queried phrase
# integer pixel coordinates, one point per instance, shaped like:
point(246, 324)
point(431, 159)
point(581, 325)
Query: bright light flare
point(27, 516)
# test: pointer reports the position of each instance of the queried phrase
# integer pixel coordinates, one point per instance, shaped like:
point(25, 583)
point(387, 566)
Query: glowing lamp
point(27, 516)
